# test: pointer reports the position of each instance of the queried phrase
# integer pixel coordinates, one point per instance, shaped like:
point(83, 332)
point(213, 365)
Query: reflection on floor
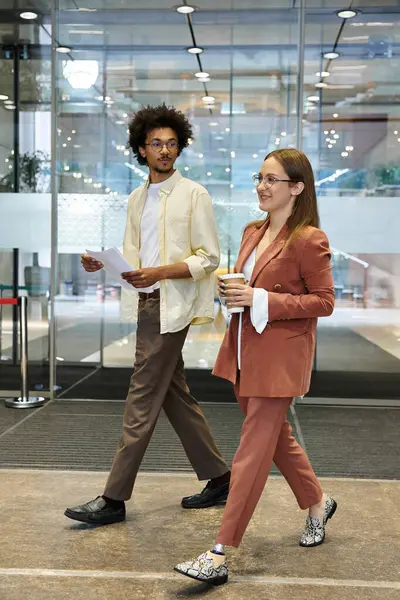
point(47, 557)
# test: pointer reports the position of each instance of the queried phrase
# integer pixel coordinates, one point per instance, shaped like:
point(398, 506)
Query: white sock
point(218, 549)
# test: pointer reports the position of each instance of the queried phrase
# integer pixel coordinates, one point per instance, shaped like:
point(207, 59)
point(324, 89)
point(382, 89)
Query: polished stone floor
point(44, 556)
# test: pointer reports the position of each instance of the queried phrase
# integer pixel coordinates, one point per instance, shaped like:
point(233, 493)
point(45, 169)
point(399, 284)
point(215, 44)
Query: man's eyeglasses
point(157, 145)
point(269, 181)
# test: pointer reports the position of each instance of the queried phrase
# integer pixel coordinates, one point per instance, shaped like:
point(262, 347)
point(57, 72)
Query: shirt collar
point(170, 183)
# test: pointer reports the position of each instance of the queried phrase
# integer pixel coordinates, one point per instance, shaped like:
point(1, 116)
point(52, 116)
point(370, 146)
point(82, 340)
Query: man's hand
point(238, 295)
point(143, 277)
point(91, 265)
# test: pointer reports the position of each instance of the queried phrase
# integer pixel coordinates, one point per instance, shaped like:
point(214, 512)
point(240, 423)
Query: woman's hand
point(237, 294)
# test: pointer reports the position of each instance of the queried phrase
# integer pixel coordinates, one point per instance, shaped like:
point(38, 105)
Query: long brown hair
point(305, 210)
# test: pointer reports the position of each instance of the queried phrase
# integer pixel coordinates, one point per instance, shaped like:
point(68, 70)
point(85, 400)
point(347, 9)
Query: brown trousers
point(158, 382)
point(266, 437)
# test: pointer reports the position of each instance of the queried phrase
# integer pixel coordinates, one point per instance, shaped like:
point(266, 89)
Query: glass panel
point(25, 203)
point(352, 134)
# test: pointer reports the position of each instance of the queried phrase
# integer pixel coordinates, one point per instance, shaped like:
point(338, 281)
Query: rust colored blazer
point(298, 278)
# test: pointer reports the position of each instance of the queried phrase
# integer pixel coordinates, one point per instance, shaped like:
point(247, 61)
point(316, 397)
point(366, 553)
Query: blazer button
point(277, 286)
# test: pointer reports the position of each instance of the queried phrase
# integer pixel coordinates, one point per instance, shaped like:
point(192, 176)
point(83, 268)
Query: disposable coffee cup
point(238, 278)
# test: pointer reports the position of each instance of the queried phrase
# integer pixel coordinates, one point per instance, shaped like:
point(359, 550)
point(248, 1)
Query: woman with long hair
point(268, 352)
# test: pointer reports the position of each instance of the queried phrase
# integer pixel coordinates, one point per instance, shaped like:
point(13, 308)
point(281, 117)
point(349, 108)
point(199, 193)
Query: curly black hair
point(154, 117)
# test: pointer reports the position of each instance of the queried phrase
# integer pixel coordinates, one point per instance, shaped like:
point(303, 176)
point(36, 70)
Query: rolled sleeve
point(259, 310)
point(204, 238)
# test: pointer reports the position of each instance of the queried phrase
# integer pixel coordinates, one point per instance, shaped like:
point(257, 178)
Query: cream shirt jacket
point(187, 233)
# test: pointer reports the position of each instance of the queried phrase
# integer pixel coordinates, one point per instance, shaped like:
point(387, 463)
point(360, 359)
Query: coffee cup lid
point(232, 276)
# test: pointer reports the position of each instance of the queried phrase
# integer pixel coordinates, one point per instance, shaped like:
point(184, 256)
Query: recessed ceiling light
point(227, 170)
point(323, 74)
point(185, 10)
point(313, 98)
point(331, 55)
point(213, 124)
point(209, 174)
point(195, 50)
point(202, 74)
point(63, 49)
point(8, 101)
point(344, 154)
point(326, 132)
point(203, 79)
point(227, 129)
point(3, 97)
point(201, 155)
point(9, 107)
point(29, 16)
point(346, 14)
point(321, 84)
point(335, 115)
point(330, 146)
point(208, 99)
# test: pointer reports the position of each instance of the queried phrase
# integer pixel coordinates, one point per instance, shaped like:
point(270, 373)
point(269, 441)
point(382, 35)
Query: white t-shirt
point(259, 310)
point(149, 242)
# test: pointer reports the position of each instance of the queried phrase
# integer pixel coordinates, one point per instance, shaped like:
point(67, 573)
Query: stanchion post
point(24, 401)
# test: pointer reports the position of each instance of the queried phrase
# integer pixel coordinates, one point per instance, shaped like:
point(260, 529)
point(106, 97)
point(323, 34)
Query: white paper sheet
point(115, 264)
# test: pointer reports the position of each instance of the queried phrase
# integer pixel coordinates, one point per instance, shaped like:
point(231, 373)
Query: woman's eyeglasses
point(269, 181)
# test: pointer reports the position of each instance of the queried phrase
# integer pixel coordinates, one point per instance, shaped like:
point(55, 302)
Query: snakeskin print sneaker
point(208, 567)
point(314, 533)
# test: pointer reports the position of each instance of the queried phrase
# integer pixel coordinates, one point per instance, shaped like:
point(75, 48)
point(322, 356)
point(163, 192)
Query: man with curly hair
point(171, 241)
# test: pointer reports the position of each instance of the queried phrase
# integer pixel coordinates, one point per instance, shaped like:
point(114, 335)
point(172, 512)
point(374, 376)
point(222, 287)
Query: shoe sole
point(219, 502)
point(215, 582)
point(334, 507)
point(82, 519)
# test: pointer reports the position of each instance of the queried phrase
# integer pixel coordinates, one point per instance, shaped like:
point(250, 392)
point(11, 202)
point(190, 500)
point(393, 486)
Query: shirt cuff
point(196, 270)
point(259, 310)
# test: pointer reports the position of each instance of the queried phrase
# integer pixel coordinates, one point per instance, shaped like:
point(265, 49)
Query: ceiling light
point(63, 49)
point(201, 155)
point(69, 139)
point(321, 84)
point(283, 133)
point(331, 55)
point(323, 74)
point(326, 132)
point(209, 174)
point(10, 107)
point(349, 148)
point(126, 152)
point(3, 97)
point(202, 74)
point(227, 170)
point(8, 101)
point(73, 131)
point(203, 79)
point(233, 154)
point(333, 131)
point(396, 132)
point(208, 99)
point(64, 145)
point(185, 10)
point(255, 155)
point(66, 168)
point(227, 129)
point(335, 115)
point(313, 98)
point(213, 124)
point(28, 15)
point(346, 14)
point(344, 154)
point(336, 136)
point(231, 186)
point(330, 146)
point(195, 50)
point(186, 168)
point(120, 122)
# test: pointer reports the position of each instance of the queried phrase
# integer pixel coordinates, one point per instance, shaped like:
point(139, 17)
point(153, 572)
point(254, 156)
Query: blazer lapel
point(252, 241)
point(268, 254)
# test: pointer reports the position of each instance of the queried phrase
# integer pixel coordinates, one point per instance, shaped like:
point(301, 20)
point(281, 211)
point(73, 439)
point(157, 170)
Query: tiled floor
point(44, 556)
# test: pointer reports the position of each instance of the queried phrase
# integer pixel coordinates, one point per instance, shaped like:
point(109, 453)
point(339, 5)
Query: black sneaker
point(208, 497)
point(97, 512)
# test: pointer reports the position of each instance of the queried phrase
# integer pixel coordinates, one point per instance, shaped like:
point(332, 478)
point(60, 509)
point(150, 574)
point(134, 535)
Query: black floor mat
point(346, 442)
